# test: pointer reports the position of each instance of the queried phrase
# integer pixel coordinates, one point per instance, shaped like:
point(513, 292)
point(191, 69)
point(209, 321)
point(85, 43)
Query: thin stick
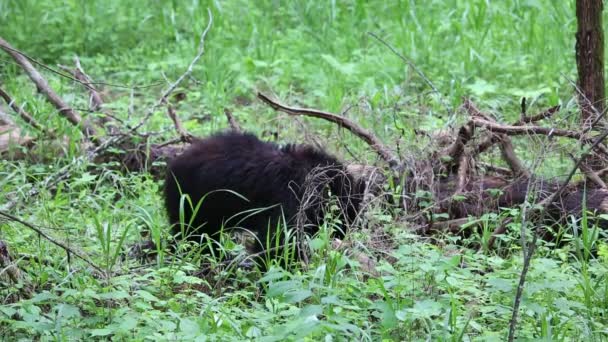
point(525, 129)
point(22, 113)
point(171, 88)
point(385, 153)
point(532, 246)
point(234, 125)
point(52, 240)
point(184, 135)
point(415, 68)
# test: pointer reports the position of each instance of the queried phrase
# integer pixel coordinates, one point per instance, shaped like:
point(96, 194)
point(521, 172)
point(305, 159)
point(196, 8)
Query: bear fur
point(275, 184)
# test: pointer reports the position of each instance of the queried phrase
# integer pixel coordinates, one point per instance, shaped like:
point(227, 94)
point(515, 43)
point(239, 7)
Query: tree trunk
point(590, 59)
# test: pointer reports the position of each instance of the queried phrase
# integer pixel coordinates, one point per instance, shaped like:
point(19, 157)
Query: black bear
point(235, 180)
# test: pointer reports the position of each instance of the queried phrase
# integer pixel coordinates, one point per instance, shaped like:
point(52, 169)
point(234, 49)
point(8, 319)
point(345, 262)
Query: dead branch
point(53, 241)
point(163, 98)
point(538, 117)
point(95, 100)
point(234, 125)
point(539, 213)
point(508, 154)
point(42, 85)
point(525, 129)
point(385, 153)
point(454, 152)
point(416, 69)
point(22, 113)
point(183, 134)
point(506, 147)
point(590, 174)
point(464, 166)
point(8, 266)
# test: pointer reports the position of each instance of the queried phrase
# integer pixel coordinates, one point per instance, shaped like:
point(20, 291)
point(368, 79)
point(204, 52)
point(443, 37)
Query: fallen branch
point(509, 156)
point(42, 85)
point(183, 134)
point(454, 152)
point(590, 174)
point(525, 129)
point(506, 147)
point(540, 213)
point(385, 153)
point(234, 125)
point(8, 266)
point(53, 241)
point(22, 113)
point(538, 117)
point(95, 100)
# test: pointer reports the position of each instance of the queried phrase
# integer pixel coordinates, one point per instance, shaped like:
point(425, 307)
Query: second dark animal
point(243, 182)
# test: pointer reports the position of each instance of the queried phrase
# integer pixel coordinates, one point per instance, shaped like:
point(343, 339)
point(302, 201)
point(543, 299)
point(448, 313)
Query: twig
point(415, 68)
point(162, 100)
point(58, 73)
point(508, 154)
point(8, 266)
point(506, 147)
point(183, 134)
point(87, 129)
point(542, 209)
point(234, 125)
point(96, 103)
point(525, 129)
point(538, 117)
point(455, 151)
point(494, 138)
point(386, 154)
point(53, 241)
point(590, 174)
point(22, 113)
point(96, 100)
point(463, 173)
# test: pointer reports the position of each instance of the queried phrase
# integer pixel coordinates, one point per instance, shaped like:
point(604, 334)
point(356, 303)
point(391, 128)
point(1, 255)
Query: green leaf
point(102, 332)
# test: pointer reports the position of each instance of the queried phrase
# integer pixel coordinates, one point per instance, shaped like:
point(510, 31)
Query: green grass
point(309, 53)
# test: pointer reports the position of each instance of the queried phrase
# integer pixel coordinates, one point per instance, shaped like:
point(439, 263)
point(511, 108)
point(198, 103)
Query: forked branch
point(383, 151)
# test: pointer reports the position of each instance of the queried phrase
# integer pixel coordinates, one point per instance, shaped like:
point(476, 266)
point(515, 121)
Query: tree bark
point(590, 59)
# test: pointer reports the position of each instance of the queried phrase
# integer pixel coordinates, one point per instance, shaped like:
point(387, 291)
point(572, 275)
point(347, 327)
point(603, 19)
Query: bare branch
point(43, 86)
point(184, 135)
point(53, 241)
point(163, 99)
point(590, 174)
point(22, 113)
point(525, 130)
point(508, 154)
point(234, 125)
point(538, 117)
point(415, 68)
point(386, 154)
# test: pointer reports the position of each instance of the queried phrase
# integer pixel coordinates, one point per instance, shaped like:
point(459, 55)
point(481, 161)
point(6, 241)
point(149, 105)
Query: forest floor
point(315, 54)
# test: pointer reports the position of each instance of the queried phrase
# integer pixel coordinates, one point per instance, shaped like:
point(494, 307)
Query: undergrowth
point(316, 54)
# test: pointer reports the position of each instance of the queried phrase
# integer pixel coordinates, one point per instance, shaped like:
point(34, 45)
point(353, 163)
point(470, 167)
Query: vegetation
point(313, 53)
